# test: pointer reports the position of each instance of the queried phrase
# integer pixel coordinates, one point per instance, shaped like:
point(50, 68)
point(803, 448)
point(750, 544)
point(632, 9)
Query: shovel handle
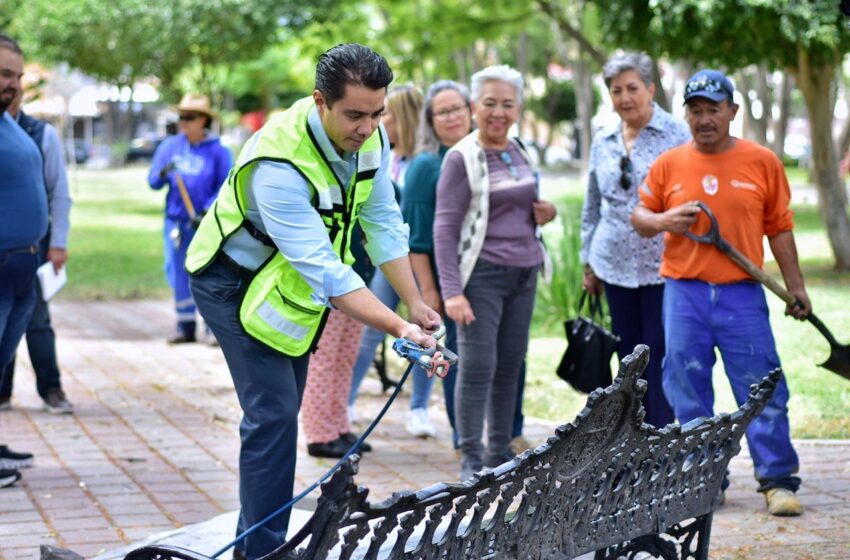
point(774, 287)
point(184, 194)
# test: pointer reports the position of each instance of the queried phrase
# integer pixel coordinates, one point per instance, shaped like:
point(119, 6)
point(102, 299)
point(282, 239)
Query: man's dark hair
point(354, 64)
point(7, 42)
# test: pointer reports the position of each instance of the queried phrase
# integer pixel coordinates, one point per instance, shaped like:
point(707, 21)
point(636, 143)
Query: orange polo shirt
point(747, 191)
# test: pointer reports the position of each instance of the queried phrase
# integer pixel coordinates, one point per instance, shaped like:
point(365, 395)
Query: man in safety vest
point(272, 256)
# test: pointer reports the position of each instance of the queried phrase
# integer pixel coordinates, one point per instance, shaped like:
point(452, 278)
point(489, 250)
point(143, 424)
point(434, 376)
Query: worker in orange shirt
point(708, 300)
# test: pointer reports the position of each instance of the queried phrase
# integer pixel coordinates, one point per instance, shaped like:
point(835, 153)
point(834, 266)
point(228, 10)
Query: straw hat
point(197, 103)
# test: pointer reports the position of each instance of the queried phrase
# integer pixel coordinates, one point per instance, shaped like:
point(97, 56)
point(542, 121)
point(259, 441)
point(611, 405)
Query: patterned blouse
point(609, 243)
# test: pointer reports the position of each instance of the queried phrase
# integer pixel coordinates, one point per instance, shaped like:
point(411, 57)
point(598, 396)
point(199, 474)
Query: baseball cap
point(710, 84)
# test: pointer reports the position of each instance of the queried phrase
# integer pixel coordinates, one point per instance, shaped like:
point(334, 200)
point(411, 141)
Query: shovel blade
point(839, 361)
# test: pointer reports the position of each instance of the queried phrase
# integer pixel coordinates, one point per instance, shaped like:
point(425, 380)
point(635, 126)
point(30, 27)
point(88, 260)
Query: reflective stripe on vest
point(277, 307)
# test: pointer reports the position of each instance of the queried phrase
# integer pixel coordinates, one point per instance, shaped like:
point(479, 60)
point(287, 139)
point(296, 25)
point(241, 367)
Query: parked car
point(80, 148)
point(143, 148)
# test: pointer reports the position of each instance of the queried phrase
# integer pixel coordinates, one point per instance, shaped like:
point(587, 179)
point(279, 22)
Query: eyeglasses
point(706, 85)
point(446, 114)
point(626, 170)
point(506, 157)
point(189, 117)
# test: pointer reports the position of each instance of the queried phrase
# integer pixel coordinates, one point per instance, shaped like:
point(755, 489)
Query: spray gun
point(420, 355)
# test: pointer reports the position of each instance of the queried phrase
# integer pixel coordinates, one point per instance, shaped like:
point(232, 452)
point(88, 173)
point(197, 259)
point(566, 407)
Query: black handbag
point(586, 363)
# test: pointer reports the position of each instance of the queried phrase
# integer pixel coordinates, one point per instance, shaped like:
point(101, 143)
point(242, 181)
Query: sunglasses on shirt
point(506, 157)
point(626, 170)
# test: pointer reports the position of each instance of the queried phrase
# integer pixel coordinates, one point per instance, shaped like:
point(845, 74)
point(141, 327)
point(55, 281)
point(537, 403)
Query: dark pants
point(17, 298)
point(269, 386)
point(636, 319)
point(41, 343)
point(492, 350)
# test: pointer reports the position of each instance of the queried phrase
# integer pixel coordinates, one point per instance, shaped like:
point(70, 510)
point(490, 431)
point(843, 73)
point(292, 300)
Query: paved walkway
point(153, 447)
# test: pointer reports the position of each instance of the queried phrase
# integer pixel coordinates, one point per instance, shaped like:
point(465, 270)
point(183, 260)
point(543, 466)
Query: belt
point(31, 249)
point(234, 266)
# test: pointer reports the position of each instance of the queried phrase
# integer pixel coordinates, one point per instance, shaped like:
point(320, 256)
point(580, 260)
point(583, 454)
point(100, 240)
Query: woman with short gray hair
point(488, 255)
point(616, 259)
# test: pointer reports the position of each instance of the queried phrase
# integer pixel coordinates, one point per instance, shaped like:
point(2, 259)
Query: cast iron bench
point(606, 483)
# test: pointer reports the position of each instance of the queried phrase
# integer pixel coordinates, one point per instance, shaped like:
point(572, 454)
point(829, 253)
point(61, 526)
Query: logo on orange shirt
point(710, 185)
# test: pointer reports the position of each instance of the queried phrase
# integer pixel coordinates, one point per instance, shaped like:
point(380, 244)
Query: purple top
point(510, 237)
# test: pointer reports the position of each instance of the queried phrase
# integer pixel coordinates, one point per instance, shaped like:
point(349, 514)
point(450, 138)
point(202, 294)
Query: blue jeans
point(269, 386)
point(636, 319)
point(177, 236)
point(734, 318)
point(41, 343)
point(17, 299)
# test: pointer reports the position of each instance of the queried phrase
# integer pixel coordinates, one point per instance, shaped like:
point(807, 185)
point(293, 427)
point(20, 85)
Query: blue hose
point(353, 449)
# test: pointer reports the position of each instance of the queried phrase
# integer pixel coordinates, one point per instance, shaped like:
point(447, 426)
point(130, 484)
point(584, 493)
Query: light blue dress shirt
point(280, 205)
point(609, 243)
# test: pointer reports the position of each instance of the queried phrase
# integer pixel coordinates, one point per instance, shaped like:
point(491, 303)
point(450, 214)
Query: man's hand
point(799, 312)
point(439, 365)
point(680, 218)
point(459, 310)
point(544, 212)
point(58, 257)
point(590, 282)
point(425, 317)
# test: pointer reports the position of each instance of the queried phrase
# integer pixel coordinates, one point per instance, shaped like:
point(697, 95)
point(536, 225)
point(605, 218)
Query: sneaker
point(5, 403)
point(418, 424)
point(8, 477)
point(11, 460)
point(57, 403)
point(520, 444)
point(782, 502)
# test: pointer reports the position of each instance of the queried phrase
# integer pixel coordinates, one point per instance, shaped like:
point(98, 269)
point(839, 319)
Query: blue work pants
point(699, 317)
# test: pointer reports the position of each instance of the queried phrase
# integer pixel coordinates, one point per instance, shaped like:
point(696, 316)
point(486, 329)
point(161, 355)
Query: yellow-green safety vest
point(277, 308)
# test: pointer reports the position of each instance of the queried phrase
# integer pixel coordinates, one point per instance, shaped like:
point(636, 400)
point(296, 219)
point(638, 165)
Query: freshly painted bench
point(606, 483)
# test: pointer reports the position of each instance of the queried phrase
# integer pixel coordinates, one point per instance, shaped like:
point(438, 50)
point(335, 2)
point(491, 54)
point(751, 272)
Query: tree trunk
point(843, 142)
point(584, 106)
point(660, 94)
point(815, 83)
point(780, 125)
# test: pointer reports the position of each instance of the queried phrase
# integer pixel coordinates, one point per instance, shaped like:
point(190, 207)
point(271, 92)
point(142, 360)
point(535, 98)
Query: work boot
point(5, 403)
point(8, 477)
point(782, 502)
point(469, 466)
point(11, 460)
point(56, 403)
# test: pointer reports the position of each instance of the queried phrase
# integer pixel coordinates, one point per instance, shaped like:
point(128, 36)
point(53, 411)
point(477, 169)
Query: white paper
point(50, 280)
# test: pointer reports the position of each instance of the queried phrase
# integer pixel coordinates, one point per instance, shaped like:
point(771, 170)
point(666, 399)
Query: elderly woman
point(488, 255)
point(615, 257)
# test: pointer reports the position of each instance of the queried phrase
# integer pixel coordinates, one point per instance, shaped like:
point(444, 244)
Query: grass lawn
point(116, 252)
point(116, 246)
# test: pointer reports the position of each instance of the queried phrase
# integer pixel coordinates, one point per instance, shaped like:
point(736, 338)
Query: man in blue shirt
point(281, 214)
point(23, 222)
point(41, 340)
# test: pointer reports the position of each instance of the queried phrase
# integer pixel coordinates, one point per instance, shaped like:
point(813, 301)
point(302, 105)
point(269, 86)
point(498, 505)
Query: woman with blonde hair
point(401, 121)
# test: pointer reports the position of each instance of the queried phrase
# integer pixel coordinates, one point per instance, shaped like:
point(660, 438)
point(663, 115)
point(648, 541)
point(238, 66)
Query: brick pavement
point(153, 447)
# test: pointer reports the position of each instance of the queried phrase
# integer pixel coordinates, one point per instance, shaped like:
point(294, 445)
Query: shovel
point(839, 354)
